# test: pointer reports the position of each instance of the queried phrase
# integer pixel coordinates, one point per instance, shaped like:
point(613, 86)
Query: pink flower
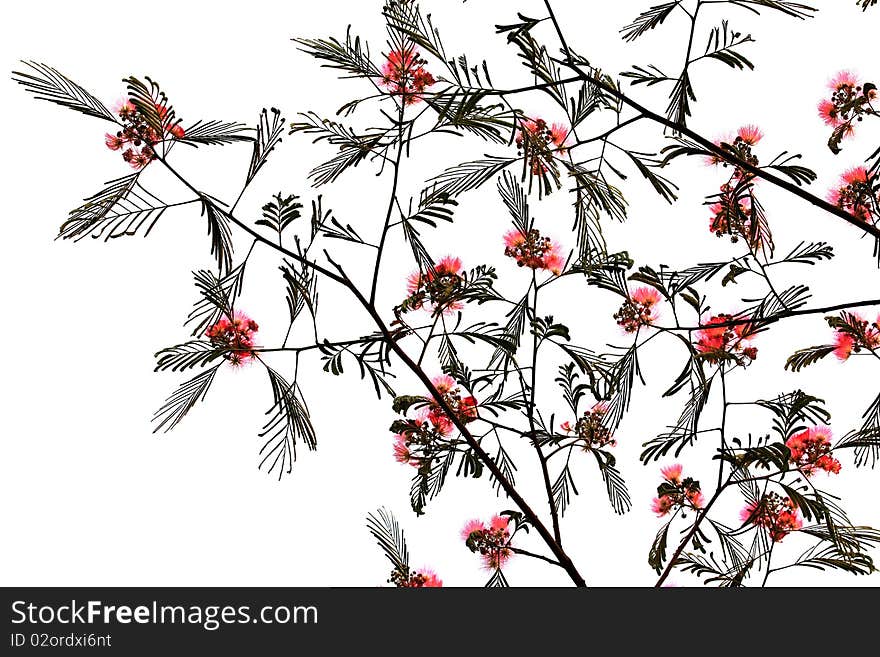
point(844, 346)
point(235, 336)
point(423, 578)
point(404, 74)
point(402, 453)
point(559, 136)
point(541, 143)
point(714, 341)
point(672, 473)
point(778, 515)
point(695, 497)
point(436, 289)
point(566, 427)
point(464, 407)
point(470, 527)
point(854, 193)
point(829, 114)
point(429, 579)
point(811, 450)
point(662, 505)
point(843, 80)
point(534, 251)
point(443, 383)
point(123, 108)
point(114, 142)
point(750, 134)
point(499, 523)
point(638, 310)
point(491, 543)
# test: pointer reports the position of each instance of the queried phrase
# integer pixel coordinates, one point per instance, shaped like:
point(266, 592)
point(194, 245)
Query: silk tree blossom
point(676, 492)
point(423, 578)
point(811, 451)
point(731, 215)
point(718, 342)
point(416, 440)
point(404, 75)
point(639, 310)
point(534, 251)
point(849, 101)
point(464, 406)
point(590, 430)
point(137, 139)
point(541, 143)
point(235, 337)
point(739, 145)
point(777, 514)
point(436, 290)
point(854, 334)
point(490, 540)
point(854, 194)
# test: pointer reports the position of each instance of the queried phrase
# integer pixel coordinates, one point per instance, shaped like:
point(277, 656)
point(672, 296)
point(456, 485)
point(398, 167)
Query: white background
point(91, 497)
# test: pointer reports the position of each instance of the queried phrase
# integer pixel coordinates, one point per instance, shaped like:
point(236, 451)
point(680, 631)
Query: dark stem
point(708, 145)
point(533, 518)
point(554, 513)
point(391, 202)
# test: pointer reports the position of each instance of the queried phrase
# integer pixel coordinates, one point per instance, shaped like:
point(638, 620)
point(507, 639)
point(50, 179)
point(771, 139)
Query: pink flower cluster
point(849, 101)
point(860, 334)
point(733, 213)
point(423, 578)
point(491, 541)
point(435, 290)
point(540, 143)
point(778, 515)
point(718, 342)
point(404, 74)
point(854, 194)
point(417, 438)
point(676, 492)
point(463, 406)
point(236, 335)
point(137, 138)
point(590, 429)
point(811, 451)
point(639, 310)
point(534, 251)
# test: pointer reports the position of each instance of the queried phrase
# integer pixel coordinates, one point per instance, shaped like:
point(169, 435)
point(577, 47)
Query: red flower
point(402, 454)
point(235, 337)
point(436, 290)
point(114, 142)
point(534, 251)
point(731, 216)
point(719, 342)
point(672, 473)
point(492, 542)
point(404, 74)
point(540, 144)
point(854, 333)
point(590, 429)
point(662, 505)
point(849, 102)
point(778, 515)
point(738, 145)
point(844, 346)
point(639, 310)
point(420, 579)
point(676, 492)
point(750, 134)
point(464, 407)
point(811, 451)
point(854, 194)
